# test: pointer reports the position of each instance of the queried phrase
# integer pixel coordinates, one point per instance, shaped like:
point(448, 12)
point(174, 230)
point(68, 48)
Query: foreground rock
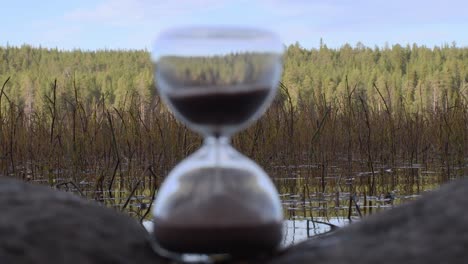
point(39, 225)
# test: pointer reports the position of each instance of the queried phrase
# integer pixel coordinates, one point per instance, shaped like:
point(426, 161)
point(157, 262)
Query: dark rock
point(40, 225)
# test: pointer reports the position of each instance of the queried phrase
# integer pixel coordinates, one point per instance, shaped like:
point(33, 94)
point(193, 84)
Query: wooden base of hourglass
point(203, 220)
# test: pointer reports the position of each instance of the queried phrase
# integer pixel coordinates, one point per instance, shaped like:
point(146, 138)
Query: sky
point(135, 24)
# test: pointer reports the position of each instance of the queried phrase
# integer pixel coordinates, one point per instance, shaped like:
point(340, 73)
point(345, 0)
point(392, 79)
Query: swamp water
point(331, 195)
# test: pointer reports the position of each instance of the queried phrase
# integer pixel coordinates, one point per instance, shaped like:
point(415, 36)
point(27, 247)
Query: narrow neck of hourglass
point(219, 150)
point(214, 141)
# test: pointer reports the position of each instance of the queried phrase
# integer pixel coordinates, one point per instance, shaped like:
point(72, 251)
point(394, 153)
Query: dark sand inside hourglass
point(218, 210)
point(228, 105)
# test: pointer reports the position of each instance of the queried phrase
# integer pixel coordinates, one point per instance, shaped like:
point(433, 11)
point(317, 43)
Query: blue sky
point(134, 24)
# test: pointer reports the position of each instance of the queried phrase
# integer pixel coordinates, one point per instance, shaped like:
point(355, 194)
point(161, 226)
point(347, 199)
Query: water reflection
point(296, 231)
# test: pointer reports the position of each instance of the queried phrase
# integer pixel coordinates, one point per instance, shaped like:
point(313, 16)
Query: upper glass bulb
point(217, 80)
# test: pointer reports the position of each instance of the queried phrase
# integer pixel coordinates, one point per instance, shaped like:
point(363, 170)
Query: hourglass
point(217, 81)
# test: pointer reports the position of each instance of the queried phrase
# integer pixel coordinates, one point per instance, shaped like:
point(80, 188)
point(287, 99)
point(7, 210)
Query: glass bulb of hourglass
point(217, 81)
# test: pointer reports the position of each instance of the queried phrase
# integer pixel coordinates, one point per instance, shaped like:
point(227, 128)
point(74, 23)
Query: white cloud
point(112, 12)
point(294, 8)
point(131, 12)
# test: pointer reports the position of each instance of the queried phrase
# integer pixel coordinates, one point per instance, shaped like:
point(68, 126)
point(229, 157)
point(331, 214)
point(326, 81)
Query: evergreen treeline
point(94, 74)
point(415, 77)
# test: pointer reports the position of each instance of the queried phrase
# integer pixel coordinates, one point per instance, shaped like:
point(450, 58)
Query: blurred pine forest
point(415, 77)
